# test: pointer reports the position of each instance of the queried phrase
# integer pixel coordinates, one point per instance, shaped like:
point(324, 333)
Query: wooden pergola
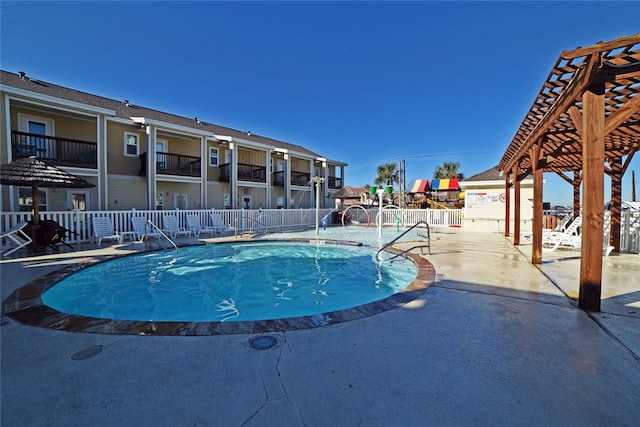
point(583, 124)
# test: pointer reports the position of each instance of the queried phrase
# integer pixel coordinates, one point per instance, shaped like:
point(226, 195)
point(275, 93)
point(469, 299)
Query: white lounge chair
point(171, 227)
point(218, 225)
point(103, 230)
point(569, 238)
point(142, 230)
point(572, 237)
point(14, 239)
point(196, 227)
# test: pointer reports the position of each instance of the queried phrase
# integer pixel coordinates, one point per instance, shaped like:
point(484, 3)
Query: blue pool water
point(231, 282)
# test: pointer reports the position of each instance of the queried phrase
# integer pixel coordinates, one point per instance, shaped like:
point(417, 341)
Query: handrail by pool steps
point(254, 221)
point(149, 223)
point(426, 235)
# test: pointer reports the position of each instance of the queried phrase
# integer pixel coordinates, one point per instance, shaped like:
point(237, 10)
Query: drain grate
point(263, 342)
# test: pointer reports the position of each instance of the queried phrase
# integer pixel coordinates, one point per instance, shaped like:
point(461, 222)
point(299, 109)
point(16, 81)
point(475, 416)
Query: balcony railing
point(172, 164)
point(58, 151)
point(278, 178)
point(246, 172)
point(297, 178)
point(300, 178)
point(335, 182)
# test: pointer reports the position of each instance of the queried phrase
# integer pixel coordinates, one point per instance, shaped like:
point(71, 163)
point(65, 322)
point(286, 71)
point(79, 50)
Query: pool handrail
point(428, 237)
point(266, 227)
point(162, 233)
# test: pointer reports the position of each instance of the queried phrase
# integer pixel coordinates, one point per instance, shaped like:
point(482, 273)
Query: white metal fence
point(260, 220)
point(630, 231)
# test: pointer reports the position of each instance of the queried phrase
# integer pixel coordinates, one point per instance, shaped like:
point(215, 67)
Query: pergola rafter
point(584, 120)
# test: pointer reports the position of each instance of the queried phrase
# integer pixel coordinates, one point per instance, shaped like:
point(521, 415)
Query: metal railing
point(334, 182)
point(297, 178)
point(59, 151)
point(252, 221)
point(426, 244)
point(172, 164)
point(246, 172)
point(162, 233)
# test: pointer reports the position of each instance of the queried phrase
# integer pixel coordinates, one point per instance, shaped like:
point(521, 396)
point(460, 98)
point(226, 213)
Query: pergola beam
point(562, 104)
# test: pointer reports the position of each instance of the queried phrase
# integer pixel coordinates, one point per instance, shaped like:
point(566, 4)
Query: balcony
point(172, 164)
point(297, 178)
point(246, 172)
point(335, 182)
point(300, 178)
point(57, 151)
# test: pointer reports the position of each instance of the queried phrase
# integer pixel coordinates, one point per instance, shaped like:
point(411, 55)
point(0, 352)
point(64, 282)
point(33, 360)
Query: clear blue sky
point(361, 82)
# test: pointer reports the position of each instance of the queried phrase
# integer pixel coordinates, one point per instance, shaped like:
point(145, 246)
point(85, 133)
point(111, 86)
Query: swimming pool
point(25, 304)
point(231, 282)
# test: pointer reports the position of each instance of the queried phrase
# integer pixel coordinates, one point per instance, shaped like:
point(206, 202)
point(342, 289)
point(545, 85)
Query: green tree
point(387, 175)
point(448, 170)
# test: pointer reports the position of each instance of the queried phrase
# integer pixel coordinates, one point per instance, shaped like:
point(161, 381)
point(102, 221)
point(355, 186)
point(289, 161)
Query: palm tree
point(448, 170)
point(387, 175)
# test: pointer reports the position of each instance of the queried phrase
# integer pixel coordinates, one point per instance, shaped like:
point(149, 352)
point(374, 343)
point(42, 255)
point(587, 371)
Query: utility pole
point(633, 186)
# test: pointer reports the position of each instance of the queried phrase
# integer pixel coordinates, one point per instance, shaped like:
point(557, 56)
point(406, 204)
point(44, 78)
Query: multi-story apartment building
point(141, 158)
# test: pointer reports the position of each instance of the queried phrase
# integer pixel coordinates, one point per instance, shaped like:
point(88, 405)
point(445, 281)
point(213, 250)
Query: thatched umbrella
point(36, 173)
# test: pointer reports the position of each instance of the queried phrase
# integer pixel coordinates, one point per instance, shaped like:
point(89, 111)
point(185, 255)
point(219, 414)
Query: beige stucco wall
point(215, 194)
point(117, 162)
point(127, 192)
point(170, 189)
point(300, 165)
point(82, 129)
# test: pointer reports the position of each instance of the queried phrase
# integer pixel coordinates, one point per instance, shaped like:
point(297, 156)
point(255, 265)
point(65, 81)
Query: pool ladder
point(426, 234)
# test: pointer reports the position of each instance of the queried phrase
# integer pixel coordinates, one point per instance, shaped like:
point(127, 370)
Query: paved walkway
point(494, 341)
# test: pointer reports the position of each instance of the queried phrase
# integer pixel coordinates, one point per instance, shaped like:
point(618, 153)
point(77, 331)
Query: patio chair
point(141, 230)
point(218, 225)
point(14, 239)
point(171, 227)
point(53, 234)
point(103, 230)
point(196, 227)
point(569, 238)
point(563, 223)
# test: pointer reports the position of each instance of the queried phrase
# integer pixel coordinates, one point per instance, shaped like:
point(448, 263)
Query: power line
point(423, 157)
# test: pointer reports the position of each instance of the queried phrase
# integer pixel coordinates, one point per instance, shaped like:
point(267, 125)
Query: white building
point(485, 201)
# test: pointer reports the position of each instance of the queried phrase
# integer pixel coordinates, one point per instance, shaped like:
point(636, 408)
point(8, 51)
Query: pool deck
point(495, 340)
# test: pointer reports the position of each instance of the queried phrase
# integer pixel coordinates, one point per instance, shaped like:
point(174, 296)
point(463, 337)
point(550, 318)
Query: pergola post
point(593, 157)
point(577, 179)
point(616, 203)
point(534, 155)
point(507, 204)
point(516, 208)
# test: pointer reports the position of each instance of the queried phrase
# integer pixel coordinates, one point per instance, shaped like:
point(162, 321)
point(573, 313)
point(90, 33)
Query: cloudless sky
point(361, 82)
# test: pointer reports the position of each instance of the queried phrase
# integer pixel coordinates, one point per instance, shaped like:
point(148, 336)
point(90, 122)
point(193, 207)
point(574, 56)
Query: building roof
point(348, 192)
point(491, 174)
point(126, 110)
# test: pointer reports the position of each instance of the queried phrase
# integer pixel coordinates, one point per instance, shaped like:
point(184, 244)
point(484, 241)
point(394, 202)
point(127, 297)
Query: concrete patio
point(495, 340)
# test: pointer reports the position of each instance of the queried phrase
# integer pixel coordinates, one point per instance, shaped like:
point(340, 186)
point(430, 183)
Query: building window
point(213, 156)
point(25, 199)
point(131, 144)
